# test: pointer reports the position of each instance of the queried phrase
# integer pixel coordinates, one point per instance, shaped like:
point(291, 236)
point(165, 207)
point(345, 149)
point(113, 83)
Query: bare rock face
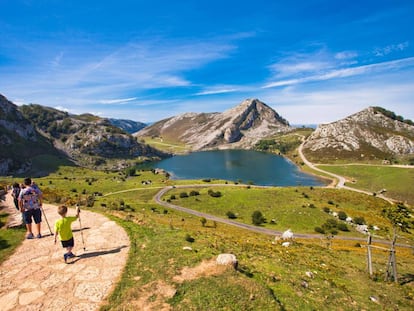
point(238, 127)
point(369, 133)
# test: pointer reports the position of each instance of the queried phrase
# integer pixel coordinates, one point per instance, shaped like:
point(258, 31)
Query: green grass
point(10, 239)
point(270, 277)
point(397, 181)
point(166, 145)
point(298, 208)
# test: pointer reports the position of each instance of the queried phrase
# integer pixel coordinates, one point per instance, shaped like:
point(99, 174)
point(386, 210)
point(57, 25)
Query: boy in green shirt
point(64, 230)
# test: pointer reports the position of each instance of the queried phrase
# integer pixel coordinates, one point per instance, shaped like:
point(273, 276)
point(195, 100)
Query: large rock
point(227, 260)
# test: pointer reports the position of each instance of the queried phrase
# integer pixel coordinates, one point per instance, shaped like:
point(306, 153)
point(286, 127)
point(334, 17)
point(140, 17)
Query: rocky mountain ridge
point(19, 140)
point(85, 139)
point(128, 126)
point(239, 127)
point(370, 134)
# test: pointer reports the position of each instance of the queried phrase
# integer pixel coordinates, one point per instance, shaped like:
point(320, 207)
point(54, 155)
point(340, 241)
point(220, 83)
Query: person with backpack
point(15, 194)
point(30, 204)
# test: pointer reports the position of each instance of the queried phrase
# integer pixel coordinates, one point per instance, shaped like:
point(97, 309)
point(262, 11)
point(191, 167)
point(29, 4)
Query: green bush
point(183, 195)
point(231, 215)
point(194, 193)
point(342, 215)
point(319, 230)
point(343, 227)
point(214, 194)
point(359, 220)
point(327, 210)
point(189, 238)
point(258, 218)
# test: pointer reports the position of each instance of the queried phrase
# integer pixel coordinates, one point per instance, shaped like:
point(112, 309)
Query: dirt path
point(35, 277)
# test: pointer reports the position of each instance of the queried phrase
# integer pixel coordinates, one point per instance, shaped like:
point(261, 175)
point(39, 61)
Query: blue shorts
point(36, 214)
point(68, 243)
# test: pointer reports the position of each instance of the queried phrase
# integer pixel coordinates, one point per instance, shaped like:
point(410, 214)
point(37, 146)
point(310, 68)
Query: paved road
point(253, 228)
point(340, 179)
point(35, 277)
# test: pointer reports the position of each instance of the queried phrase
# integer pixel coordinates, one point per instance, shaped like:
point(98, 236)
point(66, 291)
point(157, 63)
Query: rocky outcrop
point(239, 127)
point(367, 134)
point(32, 130)
point(128, 126)
point(19, 140)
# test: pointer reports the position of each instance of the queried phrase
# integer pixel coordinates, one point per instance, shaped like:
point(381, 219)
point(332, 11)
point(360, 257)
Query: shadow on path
point(98, 253)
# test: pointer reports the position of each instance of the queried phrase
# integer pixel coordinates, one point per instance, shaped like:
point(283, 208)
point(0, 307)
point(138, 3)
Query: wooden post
point(392, 264)
point(369, 256)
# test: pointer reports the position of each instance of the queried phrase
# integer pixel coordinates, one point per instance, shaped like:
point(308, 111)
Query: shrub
point(343, 227)
point(183, 195)
point(258, 218)
point(203, 221)
point(207, 180)
point(231, 215)
point(319, 230)
point(189, 238)
point(214, 194)
point(327, 210)
point(359, 220)
point(342, 215)
point(331, 202)
point(172, 197)
point(194, 193)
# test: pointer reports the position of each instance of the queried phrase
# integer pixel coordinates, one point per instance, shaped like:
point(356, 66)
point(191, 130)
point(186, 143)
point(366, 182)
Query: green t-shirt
point(62, 227)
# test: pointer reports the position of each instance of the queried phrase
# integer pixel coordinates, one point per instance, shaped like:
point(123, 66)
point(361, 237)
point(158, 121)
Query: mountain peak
point(373, 133)
point(238, 127)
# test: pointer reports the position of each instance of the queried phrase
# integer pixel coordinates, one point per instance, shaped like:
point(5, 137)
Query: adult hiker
point(30, 203)
point(15, 194)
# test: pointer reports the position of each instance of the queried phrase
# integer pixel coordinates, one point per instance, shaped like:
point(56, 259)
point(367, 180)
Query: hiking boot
point(71, 255)
point(65, 257)
point(30, 236)
point(38, 236)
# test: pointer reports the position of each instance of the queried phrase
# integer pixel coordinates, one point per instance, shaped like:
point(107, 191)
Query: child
point(63, 228)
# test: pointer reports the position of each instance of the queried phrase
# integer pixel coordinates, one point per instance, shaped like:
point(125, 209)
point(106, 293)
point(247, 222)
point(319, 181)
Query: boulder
point(227, 260)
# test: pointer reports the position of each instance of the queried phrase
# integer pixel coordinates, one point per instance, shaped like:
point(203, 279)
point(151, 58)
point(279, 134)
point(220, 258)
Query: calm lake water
point(237, 165)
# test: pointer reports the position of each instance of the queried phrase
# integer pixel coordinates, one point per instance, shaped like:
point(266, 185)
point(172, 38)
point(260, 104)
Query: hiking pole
point(80, 224)
point(44, 214)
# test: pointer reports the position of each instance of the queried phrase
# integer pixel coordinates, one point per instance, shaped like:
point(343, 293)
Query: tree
point(258, 218)
point(203, 221)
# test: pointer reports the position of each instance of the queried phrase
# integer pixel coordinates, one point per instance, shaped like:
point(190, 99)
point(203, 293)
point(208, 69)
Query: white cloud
point(218, 90)
point(390, 48)
point(346, 72)
point(117, 101)
point(344, 55)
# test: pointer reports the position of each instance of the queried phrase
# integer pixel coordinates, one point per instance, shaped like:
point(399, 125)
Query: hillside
point(20, 142)
point(87, 139)
point(30, 131)
point(371, 134)
point(239, 127)
point(128, 126)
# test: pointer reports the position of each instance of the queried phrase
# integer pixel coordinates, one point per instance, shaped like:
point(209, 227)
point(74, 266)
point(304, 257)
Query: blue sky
point(312, 61)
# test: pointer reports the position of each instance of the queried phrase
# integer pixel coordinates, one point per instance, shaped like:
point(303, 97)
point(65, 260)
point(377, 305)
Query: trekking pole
point(44, 214)
point(80, 224)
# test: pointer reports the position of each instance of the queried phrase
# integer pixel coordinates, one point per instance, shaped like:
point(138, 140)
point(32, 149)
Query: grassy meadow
point(310, 274)
point(397, 181)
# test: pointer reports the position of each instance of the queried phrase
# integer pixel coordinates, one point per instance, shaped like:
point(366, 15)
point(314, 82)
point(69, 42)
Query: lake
point(243, 166)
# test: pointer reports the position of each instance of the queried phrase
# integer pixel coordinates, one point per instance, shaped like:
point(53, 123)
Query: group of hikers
point(28, 199)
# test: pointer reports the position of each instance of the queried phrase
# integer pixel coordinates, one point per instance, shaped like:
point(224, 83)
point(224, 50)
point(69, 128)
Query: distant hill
point(87, 140)
point(239, 127)
point(128, 126)
point(371, 134)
